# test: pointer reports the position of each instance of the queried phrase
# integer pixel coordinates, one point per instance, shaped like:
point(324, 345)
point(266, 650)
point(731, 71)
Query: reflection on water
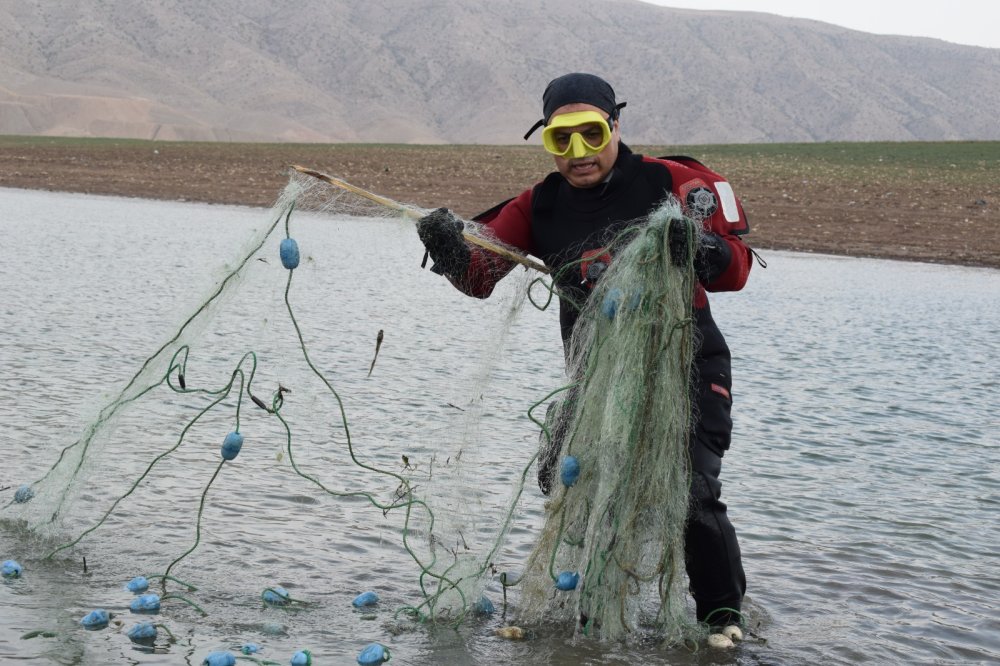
point(862, 479)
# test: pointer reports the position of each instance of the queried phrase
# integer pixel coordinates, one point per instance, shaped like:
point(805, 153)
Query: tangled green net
point(626, 421)
point(620, 526)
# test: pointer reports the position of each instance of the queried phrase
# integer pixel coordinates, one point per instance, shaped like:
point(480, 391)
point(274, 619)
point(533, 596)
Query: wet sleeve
point(511, 226)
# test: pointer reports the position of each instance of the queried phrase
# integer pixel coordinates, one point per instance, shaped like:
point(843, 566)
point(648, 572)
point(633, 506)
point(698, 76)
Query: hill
point(451, 71)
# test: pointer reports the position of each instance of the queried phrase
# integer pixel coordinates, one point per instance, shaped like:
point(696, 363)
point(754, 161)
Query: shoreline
point(888, 201)
point(760, 249)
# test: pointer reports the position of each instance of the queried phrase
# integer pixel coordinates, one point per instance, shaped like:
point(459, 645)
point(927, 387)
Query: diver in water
point(600, 187)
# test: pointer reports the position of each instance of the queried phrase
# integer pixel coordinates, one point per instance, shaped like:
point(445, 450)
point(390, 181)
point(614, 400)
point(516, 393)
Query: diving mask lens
point(580, 134)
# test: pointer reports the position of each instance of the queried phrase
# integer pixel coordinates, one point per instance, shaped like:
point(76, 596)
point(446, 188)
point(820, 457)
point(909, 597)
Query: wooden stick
point(416, 214)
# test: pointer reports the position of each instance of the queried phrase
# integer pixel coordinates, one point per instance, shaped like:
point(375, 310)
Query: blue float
point(302, 658)
point(484, 606)
point(635, 300)
point(365, 599)
point(609, 307)
point(11, 569)
point(144, 631)
point(567, 580)
point(276, 596)
point(23, 494)
point(289, 251)
point(219, 659)
point(146, 603)
point(231, 445)
point(250, 648)
point(570, 471)
point(95, 619)
point(137, 584)
point(373, 654)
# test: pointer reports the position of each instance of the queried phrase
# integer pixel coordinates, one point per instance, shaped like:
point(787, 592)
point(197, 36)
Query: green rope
point(284, 596)
point(222, 393)
point(190, 587)
point(190, 603)
point(256, 660)
point(197, 525)
point(166, 629)
point(43, 633)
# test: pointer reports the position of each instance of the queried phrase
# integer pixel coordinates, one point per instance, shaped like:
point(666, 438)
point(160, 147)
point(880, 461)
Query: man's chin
point(584, 179)
point(586, 172)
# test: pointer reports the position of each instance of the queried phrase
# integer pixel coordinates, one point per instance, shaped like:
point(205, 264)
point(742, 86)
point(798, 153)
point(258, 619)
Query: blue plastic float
point(231, 445)
point(567, 580)
point(23, 494)
point(137, 584)
point(609, 307)
point(146, 603)
point(635, 300)
point(289, 251)
point(142, 632)
point(570, 471)
point(373, 654)
point(365, 599)
point(219, 659)
point(276, 596)
point(302, 658)
point(95, 619)
point(11, 569)
point(484, 607)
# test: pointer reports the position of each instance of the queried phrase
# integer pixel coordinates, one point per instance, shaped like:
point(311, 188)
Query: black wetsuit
point(558, 223)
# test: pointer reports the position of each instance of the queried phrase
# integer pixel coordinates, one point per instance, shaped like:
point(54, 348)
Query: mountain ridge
point(445, 71)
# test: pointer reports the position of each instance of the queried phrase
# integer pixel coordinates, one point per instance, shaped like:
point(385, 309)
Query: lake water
point(863, 479)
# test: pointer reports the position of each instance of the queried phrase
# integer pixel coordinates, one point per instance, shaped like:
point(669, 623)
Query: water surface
point(863, 479)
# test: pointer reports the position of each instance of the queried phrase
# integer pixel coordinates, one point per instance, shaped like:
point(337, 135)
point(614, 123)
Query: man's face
point(587, 171)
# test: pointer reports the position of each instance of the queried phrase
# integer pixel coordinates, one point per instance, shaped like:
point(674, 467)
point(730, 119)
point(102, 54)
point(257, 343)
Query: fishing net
point(615, 531)
point(613, 538)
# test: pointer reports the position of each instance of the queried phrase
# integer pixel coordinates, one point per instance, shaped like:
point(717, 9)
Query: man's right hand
point(441, 234)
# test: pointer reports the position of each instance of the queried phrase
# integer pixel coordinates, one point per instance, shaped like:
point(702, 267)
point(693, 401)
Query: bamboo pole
point(415, 214)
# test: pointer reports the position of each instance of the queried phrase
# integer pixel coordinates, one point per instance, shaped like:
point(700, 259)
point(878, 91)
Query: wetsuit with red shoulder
point(562, 225)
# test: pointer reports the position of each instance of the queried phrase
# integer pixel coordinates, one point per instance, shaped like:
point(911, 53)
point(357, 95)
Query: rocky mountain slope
point(453, 71)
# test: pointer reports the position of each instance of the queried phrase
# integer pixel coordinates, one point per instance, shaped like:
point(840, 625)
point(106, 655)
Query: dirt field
point(930, 202)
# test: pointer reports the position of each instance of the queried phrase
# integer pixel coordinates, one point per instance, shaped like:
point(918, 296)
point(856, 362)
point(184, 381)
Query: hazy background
point(971, 22)
point(451, 71)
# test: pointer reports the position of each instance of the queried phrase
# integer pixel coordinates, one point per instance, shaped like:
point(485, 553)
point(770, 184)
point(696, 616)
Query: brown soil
point(804, 203)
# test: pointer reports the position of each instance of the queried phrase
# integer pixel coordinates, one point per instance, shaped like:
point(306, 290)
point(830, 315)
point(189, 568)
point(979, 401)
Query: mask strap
point(615, 112)
point(533, 128)
point(613, 116)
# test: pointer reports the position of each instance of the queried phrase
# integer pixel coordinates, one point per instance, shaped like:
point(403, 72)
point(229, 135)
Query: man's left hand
point(712, 256)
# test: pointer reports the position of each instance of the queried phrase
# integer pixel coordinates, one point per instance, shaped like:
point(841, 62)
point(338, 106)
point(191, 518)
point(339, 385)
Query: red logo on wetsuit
point(593, 263)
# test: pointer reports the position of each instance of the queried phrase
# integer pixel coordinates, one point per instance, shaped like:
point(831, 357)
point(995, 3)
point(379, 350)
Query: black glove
point(712, 257)
point(441, 234)
point(679, 236)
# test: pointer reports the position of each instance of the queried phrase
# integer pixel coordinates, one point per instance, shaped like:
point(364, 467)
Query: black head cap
point(577, 88)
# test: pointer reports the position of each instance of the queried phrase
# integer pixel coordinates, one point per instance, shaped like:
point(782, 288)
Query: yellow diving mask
point(578, 134)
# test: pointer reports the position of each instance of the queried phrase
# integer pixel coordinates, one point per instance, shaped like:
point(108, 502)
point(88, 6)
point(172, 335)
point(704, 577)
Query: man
point(601, 187)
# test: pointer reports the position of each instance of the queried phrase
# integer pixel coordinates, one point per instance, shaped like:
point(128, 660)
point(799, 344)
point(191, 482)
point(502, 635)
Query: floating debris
point(510, 632)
